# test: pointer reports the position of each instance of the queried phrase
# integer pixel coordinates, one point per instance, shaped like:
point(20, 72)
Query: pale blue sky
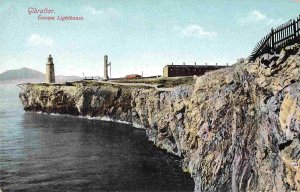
point(137, 35)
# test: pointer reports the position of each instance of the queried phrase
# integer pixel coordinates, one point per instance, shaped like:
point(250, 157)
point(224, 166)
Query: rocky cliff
point(236, 129)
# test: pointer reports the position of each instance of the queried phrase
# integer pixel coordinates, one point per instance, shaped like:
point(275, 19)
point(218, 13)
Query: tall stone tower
point(50, 75)
point(105, 77)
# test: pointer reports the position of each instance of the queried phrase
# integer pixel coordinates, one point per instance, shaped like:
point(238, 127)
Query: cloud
point(195, 31)
point(38, 40)
point(257, 17)
point(108, 12)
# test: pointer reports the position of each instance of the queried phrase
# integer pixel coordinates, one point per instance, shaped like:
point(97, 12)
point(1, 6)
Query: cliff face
point(236, 129)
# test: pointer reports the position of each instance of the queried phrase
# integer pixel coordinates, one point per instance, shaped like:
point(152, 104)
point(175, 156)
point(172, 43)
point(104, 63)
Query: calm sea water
point(41, 152)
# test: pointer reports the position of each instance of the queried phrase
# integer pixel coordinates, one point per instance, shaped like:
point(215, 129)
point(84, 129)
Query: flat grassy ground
point(161, 81)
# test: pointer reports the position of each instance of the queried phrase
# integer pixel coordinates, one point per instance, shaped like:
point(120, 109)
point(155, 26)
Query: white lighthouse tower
point(50, 75)
point(106, 65)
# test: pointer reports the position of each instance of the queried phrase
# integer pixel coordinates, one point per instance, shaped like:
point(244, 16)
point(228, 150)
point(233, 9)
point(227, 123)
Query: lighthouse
point(50, 75)
point(106, 65)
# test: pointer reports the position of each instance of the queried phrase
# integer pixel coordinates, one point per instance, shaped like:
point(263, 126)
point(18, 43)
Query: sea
point(42, 152)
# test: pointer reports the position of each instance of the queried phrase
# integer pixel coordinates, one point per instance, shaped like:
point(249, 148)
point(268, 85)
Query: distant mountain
point(24, 75)
point(20, 75)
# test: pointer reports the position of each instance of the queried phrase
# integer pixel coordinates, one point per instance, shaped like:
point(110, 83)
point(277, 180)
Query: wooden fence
point(279, 37)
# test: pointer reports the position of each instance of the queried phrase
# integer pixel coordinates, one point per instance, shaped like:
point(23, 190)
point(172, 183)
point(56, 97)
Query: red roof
point(133, 76)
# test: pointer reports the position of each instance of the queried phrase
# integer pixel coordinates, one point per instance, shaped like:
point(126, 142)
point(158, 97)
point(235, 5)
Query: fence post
point(272, 39)
point(294, 29)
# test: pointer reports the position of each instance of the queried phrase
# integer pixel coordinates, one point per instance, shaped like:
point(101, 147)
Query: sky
point(137, 35)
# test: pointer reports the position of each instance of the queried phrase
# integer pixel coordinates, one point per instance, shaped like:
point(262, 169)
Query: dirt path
point(155, 86)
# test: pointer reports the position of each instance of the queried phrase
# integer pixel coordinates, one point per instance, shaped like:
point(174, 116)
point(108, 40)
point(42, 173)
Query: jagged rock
point(236, 129)
point(179, 116)
point(268, 60)
point(265, 60)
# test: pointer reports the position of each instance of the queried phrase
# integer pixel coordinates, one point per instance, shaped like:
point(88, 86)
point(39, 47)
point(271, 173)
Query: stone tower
point(105, 77)
point(50, 75)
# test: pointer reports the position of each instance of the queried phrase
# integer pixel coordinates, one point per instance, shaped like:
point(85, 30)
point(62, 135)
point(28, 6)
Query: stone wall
point(188, 70)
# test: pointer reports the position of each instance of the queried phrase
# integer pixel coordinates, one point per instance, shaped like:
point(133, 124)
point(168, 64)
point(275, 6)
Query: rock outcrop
point(236, 129)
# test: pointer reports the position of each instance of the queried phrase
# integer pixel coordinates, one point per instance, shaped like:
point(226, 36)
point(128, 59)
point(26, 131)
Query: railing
point(91, 78)
point(279, 37)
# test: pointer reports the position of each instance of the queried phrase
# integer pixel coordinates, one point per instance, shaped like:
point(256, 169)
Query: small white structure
point(106, 65)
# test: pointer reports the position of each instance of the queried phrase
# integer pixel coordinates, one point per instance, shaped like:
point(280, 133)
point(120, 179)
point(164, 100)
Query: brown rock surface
point(236, 129)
